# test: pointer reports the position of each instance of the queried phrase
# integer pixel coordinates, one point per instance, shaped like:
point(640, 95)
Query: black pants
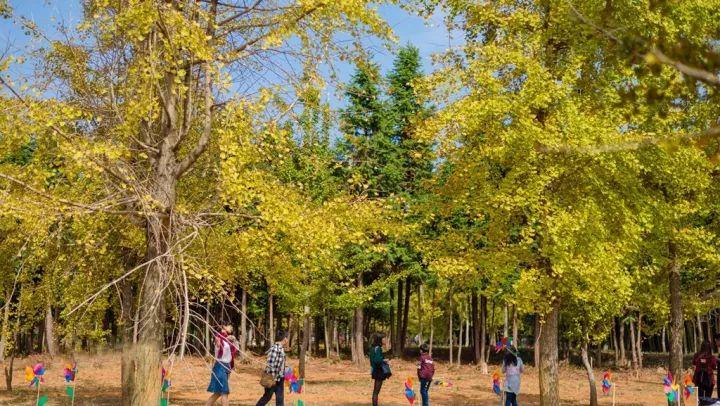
point(510, 399)
point(278, 389)
point(705, 391)
point(376, 391)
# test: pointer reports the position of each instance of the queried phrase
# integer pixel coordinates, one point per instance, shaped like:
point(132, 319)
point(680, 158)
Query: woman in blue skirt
point(225, 349)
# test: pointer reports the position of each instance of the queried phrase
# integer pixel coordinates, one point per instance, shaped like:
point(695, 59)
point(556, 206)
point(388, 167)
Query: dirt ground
point(327, 383)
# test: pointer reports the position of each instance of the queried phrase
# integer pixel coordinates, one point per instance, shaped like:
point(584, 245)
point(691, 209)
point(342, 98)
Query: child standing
point(425, 372)
point(512, 368)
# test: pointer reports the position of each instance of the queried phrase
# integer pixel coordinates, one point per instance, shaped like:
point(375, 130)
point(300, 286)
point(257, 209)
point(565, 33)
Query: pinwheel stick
point(614, 387)
point(37, 398)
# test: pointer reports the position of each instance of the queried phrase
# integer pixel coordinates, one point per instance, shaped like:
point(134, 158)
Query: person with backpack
point(425, 373)
point(705, 363)
point(272, 378)
point(379, 366)
point(512, 367)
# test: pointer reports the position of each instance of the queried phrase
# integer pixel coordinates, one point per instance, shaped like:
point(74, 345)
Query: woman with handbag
point(380, 367)
point(225, 350)
point(272, 378)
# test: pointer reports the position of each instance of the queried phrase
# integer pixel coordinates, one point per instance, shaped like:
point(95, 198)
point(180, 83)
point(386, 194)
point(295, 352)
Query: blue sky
point(429, 36)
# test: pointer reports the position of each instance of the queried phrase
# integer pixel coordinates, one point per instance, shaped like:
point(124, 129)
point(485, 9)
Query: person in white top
point(225, 349)
point(512, 368)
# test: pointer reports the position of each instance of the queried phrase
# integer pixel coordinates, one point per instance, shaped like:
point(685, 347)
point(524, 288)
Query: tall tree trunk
point(326, 331)
point(432, 321)
point(709, 329)
point(460, 337)
point(639, 341)
point(633, 345)
point(406, 315)
point(515, 332)
point(549, 387)
point(5, 328)
point(676, 315)
point(50, 332)
point(128, 329)
point(336, 338)
point(450, 327)
point(700, 333)
point(538, 332)
point(621, 341)
point(663, 341)
point(207, 330)
point(243, 323)
point(393, 326)
point(474, 314)
point(145, 383)
point(358, 353)
point(305, 346)
point(483, 335)
point(615, 344)
point(271, 319)
point(590, 374)
point(397, 349)
point(420, 312)
point(506, 321)
point(8, 369)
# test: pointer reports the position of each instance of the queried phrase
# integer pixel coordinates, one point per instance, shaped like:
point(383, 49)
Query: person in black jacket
point(379, 366)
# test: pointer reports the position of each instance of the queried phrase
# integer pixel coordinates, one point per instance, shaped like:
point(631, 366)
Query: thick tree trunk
point(460, 337)
point(590, 374)
point(358, 352)
point(676, 315)
point(326, 335)
point(406, 316)
point(549, 386)
point(397, 349)
point(50, 333)
point(475, 326)
point(615, 344)
point(336, 338)
point(145, 384)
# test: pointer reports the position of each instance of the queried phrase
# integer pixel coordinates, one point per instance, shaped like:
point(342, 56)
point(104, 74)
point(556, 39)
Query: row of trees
point(553, 179)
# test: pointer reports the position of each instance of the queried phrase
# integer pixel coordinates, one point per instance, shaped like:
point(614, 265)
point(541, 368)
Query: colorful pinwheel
point(689, 387)
point(504, 343)
point(70, 372)
point(34, 375)
point(670, 387)
point(165, 386)
point(409, 392)
point(496, 382)
point(166, 383)
point(292, 382)
point(607, 382)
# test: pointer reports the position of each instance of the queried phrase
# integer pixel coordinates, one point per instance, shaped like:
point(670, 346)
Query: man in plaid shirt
point(276, 367)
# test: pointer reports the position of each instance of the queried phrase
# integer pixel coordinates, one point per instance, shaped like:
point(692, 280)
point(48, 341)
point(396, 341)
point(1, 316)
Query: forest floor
point(328, 383)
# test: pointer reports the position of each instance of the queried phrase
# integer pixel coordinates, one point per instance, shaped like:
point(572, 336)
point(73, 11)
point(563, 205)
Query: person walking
point(275, 369)
point(425, 373)
point(379, 366)
point(512, 367)
point(225, 349)
point(705, 363)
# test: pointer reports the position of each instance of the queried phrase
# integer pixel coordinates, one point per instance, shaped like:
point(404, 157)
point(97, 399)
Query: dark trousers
point(376, 391)
point(705, 391)
point(510, 399)
point(278, 389)
point(424, 388)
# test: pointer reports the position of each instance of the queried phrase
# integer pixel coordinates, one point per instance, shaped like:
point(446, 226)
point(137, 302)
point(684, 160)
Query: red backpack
point(426, 368)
